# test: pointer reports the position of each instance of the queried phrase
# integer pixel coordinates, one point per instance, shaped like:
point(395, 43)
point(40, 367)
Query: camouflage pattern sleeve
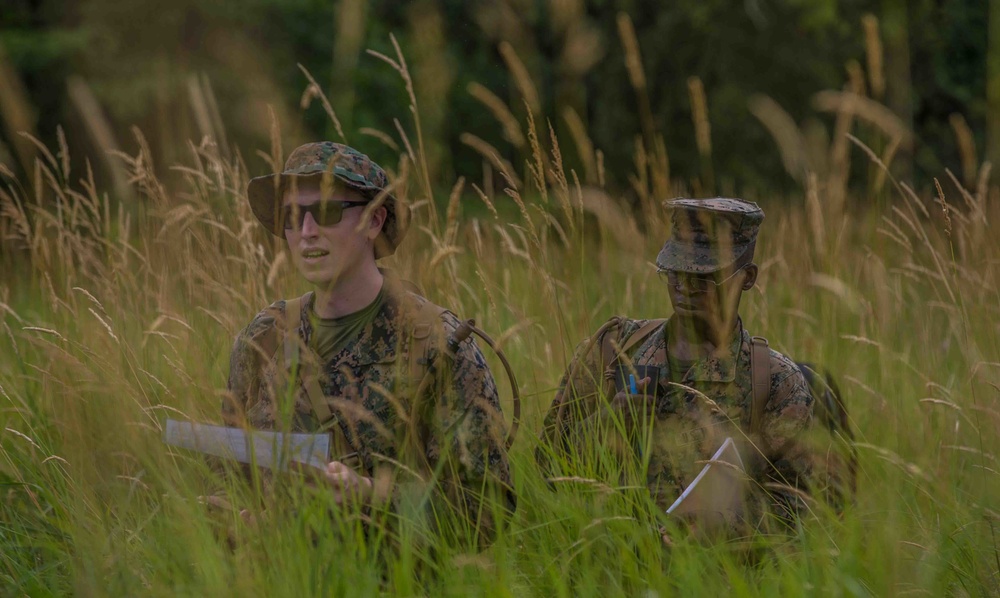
point(252, 349)
point(787, 417)
point(577, 388)
point(830, 442)
point(253, 346)
point(467, 444)
point(578, 392)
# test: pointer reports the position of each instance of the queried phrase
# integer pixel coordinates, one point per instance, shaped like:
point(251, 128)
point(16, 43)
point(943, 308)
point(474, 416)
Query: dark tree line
point(176, 68)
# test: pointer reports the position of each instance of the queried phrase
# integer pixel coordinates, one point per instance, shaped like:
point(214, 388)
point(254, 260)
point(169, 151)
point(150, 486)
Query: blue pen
point(631, 384)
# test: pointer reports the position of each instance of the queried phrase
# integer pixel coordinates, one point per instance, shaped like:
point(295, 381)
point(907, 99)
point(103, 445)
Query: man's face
point(711, 300)
point(325, 253)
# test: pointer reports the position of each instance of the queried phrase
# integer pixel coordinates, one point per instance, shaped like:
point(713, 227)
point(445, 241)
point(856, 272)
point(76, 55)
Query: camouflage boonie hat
point(709, 234)
point(320, 161)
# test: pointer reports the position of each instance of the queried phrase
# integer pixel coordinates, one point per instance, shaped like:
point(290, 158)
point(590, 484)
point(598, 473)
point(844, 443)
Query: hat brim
point(265, 192)
point(699, 259)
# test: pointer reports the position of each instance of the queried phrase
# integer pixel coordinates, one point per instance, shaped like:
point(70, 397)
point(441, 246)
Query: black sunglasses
point(325, 213)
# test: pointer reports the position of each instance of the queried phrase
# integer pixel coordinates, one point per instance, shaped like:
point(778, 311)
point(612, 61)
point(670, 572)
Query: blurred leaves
point(139, 57)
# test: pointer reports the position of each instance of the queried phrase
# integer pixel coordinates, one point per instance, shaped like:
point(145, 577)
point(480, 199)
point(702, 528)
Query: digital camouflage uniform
point(690, 417)
point(368, 389)
point(449, 441)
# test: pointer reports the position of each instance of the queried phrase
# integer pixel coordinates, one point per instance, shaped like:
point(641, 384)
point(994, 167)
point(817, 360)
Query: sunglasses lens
point(290, 217)
point(327, 213)
point(324, 213)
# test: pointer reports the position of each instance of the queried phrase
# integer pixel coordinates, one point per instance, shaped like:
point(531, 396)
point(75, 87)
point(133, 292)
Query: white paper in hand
point(716, 493)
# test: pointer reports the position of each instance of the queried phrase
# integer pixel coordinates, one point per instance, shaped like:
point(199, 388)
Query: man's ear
point(749, 276)
point(377, 221)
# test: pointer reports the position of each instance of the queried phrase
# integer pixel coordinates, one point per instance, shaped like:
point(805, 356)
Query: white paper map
point(267, 449)
point(717, 490)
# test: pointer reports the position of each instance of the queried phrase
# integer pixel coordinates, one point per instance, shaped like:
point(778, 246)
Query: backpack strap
point(640, 335)
point(426, 339)
point(308, 373)
point(426, 342)
point(760, 382)
point(608, 357)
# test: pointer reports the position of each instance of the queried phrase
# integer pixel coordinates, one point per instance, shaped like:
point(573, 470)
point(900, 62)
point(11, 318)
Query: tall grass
point(116, 315)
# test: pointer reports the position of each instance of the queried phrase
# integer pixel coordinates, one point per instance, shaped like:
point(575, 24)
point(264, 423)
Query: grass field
point(116, 315)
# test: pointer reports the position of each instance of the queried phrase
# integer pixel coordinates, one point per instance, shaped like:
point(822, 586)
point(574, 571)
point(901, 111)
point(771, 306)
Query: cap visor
point(697, 259)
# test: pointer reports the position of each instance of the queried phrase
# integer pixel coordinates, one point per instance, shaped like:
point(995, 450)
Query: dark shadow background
point(176, 69)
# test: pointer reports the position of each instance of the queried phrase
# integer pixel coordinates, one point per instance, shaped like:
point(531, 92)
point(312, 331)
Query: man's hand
point(665, 537)
point(217, 502)
point(623, 398)
point(347, 485)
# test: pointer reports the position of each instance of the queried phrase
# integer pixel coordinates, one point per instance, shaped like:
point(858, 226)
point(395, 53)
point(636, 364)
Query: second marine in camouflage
point(703, 391)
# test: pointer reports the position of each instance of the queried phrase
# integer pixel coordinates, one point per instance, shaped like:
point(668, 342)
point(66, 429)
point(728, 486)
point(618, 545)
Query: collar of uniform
point(720, 368)
point(377, 342)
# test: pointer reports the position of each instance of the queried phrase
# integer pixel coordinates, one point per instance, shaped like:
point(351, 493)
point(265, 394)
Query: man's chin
point(688, 311)
point(319, 278)
point(705, 316)
point(701, 319)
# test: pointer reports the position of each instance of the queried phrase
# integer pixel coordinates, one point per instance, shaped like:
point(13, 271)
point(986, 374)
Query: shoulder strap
point(760, 381)
point(640, 335)
point(425, 342)
point(426, 329)
point(307, 367)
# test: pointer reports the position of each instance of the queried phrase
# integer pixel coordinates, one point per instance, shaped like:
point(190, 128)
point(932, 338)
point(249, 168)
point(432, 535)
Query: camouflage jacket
point(452, 438)
point(690, 419)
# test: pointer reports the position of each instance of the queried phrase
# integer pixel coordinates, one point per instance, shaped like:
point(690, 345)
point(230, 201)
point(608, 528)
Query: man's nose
point(309, 226)
point(687, 287)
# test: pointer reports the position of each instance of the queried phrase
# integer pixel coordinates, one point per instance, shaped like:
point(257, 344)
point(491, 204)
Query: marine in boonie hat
point(324, 162)
point(710, 234)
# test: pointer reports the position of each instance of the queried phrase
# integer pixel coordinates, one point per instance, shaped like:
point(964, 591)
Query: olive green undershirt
point(331, 335)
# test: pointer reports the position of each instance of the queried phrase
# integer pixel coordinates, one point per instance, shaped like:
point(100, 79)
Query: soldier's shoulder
point(783, 366)
point(631, 326)
point(617, 327)
point(415, 313)
point(265, 320)
point(425, 319)
point(787, 382)
point(259, 338)
point(626, 327)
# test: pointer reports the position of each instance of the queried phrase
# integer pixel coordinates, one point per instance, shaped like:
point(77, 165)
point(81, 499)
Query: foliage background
point(142, 59)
